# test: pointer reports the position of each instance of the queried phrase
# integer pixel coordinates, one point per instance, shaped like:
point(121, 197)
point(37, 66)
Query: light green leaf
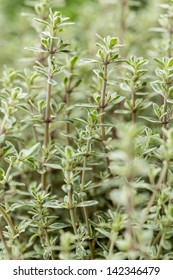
point(23, 225)
point(53, 204)
point(87, 203)
point(52, 82)
point(156, 87)
point(150, 119)
point(103, 232)
point(34, 49)
point(53, 165)
point(58, 226)
point(32, 151)
point(42, 21)
point(73, 61)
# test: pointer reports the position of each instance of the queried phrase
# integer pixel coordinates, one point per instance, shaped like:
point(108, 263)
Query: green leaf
point(32, 151)
point(73, 61)
point(16, 206)
point(9, 149)
point(30, 162)
point(99, 74)
point(113, 56)
point(88, 60)
point(123, 245)
point(100, 54)
point(34, 49)
point(42, 21)
point(157, 110)
point(46, 254)
point(170, 64)
point(68, 152)
point(142, 62)
point(40, 70)
point(150, 119)
point(157, 87)
point(103, 232)
point(13, 137)
point(41, 104)
point(23, 225)
point(113, 42)
point(52, 82)
point(122, 112)
point(85, 105)
point(160, 62)
point(58, 226)
point(62, 25)
point(166, 244)
point(53, 204)
point(87, 203)
point(118, 99)
point(170, 101)
point(53, 165)
point(45, 42)
point(77, 83)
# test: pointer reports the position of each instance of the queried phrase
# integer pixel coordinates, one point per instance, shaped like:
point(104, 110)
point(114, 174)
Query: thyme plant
point(86, 141)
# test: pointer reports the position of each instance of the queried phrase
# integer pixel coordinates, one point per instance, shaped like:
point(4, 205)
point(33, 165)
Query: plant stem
point(68, 91)
point(103, 101)
point(156, 239)
point(134, 105)
point(103, 105)
point(130, 207)
point(70, 203)
point(7, 249)
point(165, 123)
point(7, 217)
point(31, 107)
point(47, 117)
point(48, 243)
point(152, 199)
point(130, 211)
point(44, 238)
point(83, 189)
point(85, 164)
point(165, 109)
point(112, 244)
point(67, 123)
point(71, 209)
point(8, 171)
point(160, 246)
point(8, 220)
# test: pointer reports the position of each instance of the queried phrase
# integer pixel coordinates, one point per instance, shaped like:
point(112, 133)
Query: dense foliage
point(86, 137)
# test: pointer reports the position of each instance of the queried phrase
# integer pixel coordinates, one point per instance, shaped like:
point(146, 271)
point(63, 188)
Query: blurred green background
point(130, 20)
